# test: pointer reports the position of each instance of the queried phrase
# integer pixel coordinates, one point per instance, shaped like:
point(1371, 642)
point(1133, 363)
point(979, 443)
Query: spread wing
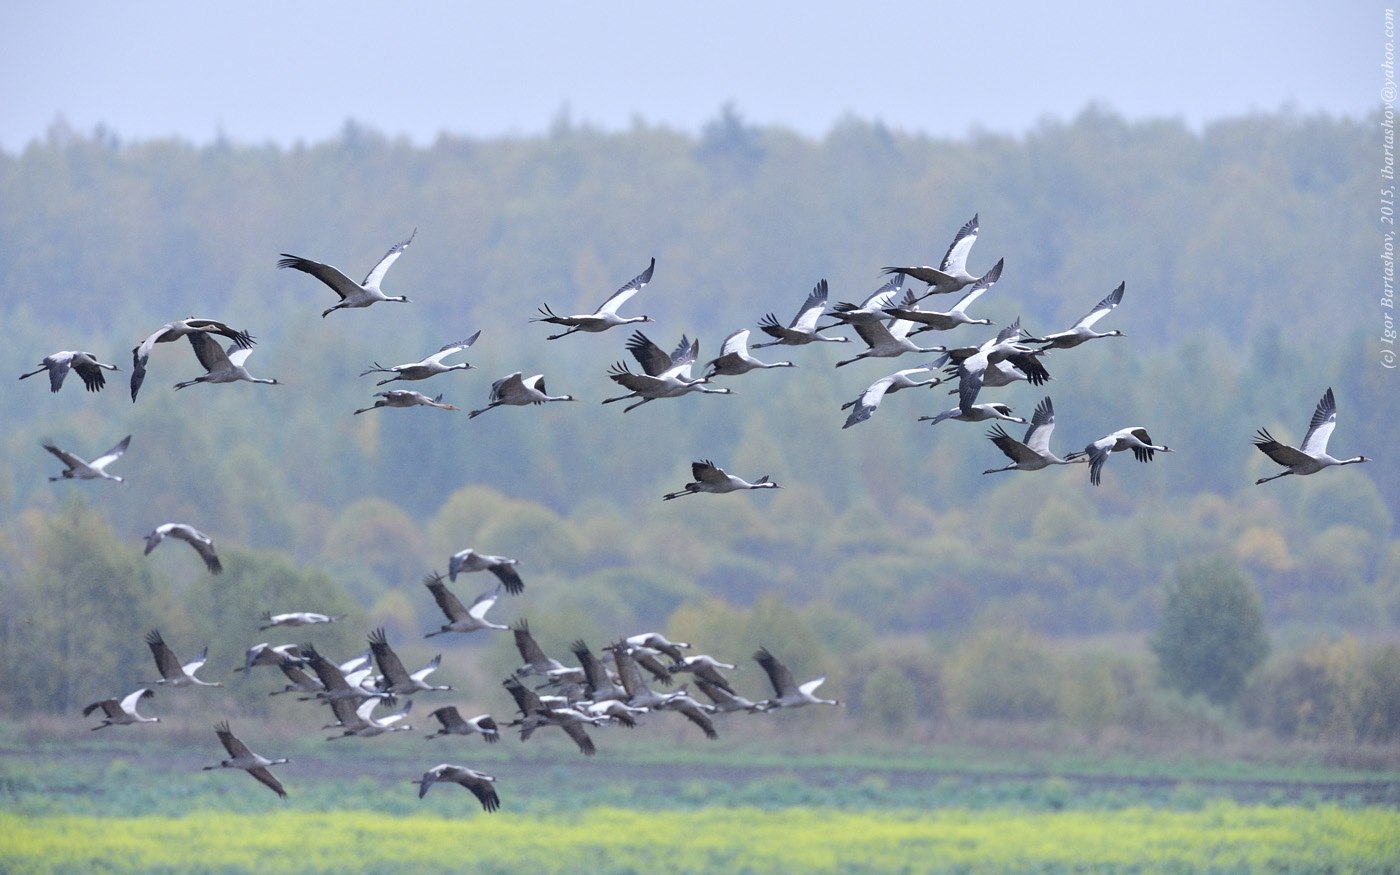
point(111, 455)
point(653, 359)
point(166, 663)
point(782, 679)
point(450, 348)
point(389, 663)
point(339, 283)
point(705, 471)
point(955, 260)
point(1102, 308)
point(1324, 420)
point(208, 351)
point(376, 273)
point(231, 743)
point(445, 598)
point(267, 779)
point(1042, 424)
point(812, 309)
point(508, 577)
point(64, 456)
point(632, 287)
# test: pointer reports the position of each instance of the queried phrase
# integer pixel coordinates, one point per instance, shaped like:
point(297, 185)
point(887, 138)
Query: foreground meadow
point(1220, 837)
point(118, 804)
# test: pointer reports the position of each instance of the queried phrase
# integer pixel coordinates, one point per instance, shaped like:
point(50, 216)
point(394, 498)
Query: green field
point(1221, 837)
point(114, 804)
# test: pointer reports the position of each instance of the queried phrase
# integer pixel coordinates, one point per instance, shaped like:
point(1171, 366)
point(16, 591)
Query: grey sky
point(286, 71)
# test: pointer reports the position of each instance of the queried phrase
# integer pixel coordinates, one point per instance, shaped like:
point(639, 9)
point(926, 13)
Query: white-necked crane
point(352, 294)
point(172, 331)
point(460, 618)
point(220, 365)
point(617, 712)
point(300, 681)
point(872, 309)
point(951, 274)
point(453, 723)
point(974, 366)
point(468, 560)
point(84, 364)
point(172, 673)
point(788, 693)
point(77, 469)
point(605, 316)
point(711, 478)
point(694, 711)
point(1083, 330)
point(428, 367)
point(536, 661)
point(359, 720)
point(297, 618)
point(932, 320)
point(1135, 438)
point(122, 712)
point(726, 701)
point(734, 359)
point(1033, 452)
point(706, 668)
point(665, 375)
point(803, 327)
point(275, 655)
point(1311, 456)
point(864, 405)
point(202, 543)
point(886, 337)
point(975, 413)
point(629, 675)
point(515, 391)
point(405, 398)
point(240, 757)
point(659, 643)
point(647, 658)
point(480, 784)
point(599, 683)
point(534, 715)
point(338, 682)
point(396, 678)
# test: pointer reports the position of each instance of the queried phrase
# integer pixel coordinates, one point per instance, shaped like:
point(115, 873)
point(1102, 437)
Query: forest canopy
point(1249, 252)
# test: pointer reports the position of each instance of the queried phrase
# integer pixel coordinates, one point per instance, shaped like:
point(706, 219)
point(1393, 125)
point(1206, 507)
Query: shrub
point(1007, 674)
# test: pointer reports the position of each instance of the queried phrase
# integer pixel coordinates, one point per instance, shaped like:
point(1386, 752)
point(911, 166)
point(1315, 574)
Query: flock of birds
point(610, 688)
point(613, 687)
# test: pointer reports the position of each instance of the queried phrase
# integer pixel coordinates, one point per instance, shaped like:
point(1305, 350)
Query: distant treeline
point(1250, 252)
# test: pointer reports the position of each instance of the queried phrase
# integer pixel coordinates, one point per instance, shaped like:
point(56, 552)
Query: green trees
point(1211, 634)
point(77, 612)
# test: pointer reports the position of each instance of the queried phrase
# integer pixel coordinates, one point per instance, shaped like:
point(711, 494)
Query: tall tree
point(1211, 634)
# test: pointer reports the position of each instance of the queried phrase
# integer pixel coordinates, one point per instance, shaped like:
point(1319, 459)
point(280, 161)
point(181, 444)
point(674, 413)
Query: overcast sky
point(288, 71)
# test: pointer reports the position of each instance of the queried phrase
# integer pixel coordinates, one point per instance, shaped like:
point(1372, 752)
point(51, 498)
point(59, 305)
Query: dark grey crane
point(1311, 456)
point(202, 543)
point(605, 316)
point(241, 757)
point(351, 293)
point(84, 364)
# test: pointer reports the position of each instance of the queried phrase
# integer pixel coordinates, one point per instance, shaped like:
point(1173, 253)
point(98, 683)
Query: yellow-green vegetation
point(1220, 837)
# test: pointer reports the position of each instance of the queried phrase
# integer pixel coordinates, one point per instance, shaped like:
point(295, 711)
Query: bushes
point(1330, 690)
point(1003, 674)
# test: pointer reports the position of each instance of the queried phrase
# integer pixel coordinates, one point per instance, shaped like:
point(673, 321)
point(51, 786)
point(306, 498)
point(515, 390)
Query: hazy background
point(259, 71)
point(1224, 164)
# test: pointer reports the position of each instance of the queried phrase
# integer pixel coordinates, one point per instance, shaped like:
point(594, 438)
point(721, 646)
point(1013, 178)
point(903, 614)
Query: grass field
point(1220, 837)
point(139, 803)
